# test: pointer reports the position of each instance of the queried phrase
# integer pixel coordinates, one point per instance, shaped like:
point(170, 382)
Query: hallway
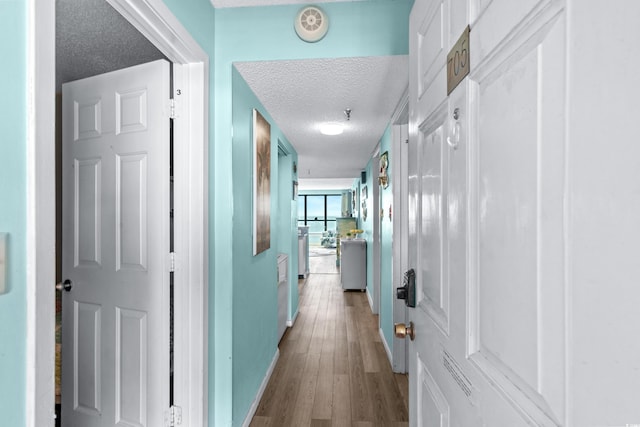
point(333, 369)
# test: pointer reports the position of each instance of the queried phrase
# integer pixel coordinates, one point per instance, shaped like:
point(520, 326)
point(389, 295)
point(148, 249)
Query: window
point(319, 213)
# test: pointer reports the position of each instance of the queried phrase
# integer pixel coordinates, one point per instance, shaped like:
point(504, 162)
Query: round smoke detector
point(311, 24)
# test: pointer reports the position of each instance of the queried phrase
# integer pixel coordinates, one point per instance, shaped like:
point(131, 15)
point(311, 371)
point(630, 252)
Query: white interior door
point(115, 321)
point(486, 179)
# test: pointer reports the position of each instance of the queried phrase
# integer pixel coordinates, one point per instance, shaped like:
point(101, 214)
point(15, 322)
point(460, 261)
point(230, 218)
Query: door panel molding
point(429, 29)
point(87, 322)
point(433, 132)
point(88, 228)
point(430, 397)
point(431, 46)
point(516, 253)
point(528, 27)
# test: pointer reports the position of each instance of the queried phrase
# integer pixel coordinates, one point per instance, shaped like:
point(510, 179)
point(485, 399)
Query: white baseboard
point(293, 319)
point(263, 386)
point(370, 299)
point(386, 347)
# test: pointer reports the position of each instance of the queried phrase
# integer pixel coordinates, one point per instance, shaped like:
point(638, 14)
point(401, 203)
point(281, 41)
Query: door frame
point(400, 242)
point(375, 240)
point(191, 70)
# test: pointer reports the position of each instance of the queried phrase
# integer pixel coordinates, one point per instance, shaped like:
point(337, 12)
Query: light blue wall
point(368, 28)
point(386, 238)
point(13, 119)
point(386, 250)
point(255, 305)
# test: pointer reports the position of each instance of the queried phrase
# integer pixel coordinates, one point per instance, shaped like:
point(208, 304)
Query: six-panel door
point(115, 322)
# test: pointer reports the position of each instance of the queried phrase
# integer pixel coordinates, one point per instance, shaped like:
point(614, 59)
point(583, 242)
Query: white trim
point(40, 214)
point(376, 193)
point(400, 244)
point(153, 19)
point(370, 299)
point(263, 387)
point(293, 319)
point(190, 213)
point(386, 346)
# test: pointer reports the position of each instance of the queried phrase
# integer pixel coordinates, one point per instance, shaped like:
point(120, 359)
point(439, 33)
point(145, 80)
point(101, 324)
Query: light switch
point(3, 263)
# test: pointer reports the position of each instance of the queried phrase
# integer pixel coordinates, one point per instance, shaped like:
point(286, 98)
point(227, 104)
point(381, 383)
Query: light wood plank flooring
point(333, 369)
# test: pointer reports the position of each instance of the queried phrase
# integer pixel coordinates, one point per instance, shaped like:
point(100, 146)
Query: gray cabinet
point(353, 265)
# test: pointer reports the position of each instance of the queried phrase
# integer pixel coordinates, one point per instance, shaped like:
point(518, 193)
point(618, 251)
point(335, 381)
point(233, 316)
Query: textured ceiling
point(92, 38)
point(300, 95)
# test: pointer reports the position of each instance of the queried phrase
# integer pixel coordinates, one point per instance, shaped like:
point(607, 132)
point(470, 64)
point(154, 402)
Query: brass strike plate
point(458, 61)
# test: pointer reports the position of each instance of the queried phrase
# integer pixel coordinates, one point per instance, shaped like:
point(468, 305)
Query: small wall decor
point(383, 177)
point(354, 200)
point(390, 218)
point(261, 183)
point(364, 202)
point(295, 190)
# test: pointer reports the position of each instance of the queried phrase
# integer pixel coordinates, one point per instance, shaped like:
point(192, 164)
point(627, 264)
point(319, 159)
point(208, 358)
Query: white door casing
point(116, 247)
point(400, 219)
point(191, 66)
point(376, 195)
point(488, 232)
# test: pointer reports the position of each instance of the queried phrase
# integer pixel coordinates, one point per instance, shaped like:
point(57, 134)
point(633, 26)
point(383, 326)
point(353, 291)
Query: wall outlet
point(3, 263)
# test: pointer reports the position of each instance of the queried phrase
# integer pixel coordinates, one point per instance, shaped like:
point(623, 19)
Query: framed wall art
point(261, 183)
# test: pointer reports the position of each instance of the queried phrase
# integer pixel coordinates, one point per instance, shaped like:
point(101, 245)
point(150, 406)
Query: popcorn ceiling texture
point(93, 38)
point(301, 94)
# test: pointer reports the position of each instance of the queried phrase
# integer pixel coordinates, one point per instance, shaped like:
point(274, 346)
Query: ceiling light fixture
point(331, 128)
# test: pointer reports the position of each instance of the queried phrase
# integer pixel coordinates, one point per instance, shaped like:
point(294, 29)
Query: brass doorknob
point(64, 286)
point(402, 330)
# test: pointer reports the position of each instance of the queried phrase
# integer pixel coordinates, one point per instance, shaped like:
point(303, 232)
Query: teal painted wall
point(386, 250)
point(255, 305)
point(13, 125)
point(386, 240)
point(368, 28)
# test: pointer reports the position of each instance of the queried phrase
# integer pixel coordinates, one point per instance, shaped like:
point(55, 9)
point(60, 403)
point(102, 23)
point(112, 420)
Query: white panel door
point(115, 322)
point(487, 180)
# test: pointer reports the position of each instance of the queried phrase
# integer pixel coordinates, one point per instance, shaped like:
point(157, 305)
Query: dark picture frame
point(261, 183)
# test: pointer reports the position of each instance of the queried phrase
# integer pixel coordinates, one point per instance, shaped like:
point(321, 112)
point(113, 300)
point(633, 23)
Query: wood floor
point(333, 369)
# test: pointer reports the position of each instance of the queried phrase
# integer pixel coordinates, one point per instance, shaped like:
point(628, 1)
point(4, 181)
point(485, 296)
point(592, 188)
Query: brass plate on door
point(458, 61)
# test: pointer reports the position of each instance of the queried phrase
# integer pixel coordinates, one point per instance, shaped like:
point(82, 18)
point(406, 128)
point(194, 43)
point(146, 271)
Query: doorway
point(88, 53)
point(163, 30)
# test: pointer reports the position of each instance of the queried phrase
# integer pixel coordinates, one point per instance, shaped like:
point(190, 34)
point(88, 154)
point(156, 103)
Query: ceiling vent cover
point(311, 24)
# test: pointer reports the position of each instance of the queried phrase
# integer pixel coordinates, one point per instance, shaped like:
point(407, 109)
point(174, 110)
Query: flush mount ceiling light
point(311, 24)
point(331, 128)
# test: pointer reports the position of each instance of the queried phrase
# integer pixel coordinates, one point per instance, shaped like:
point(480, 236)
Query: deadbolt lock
point(402, 330)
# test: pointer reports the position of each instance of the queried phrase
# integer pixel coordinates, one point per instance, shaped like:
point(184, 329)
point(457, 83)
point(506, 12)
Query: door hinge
point(172, 109)
point(172, 262)
point(173, 416)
